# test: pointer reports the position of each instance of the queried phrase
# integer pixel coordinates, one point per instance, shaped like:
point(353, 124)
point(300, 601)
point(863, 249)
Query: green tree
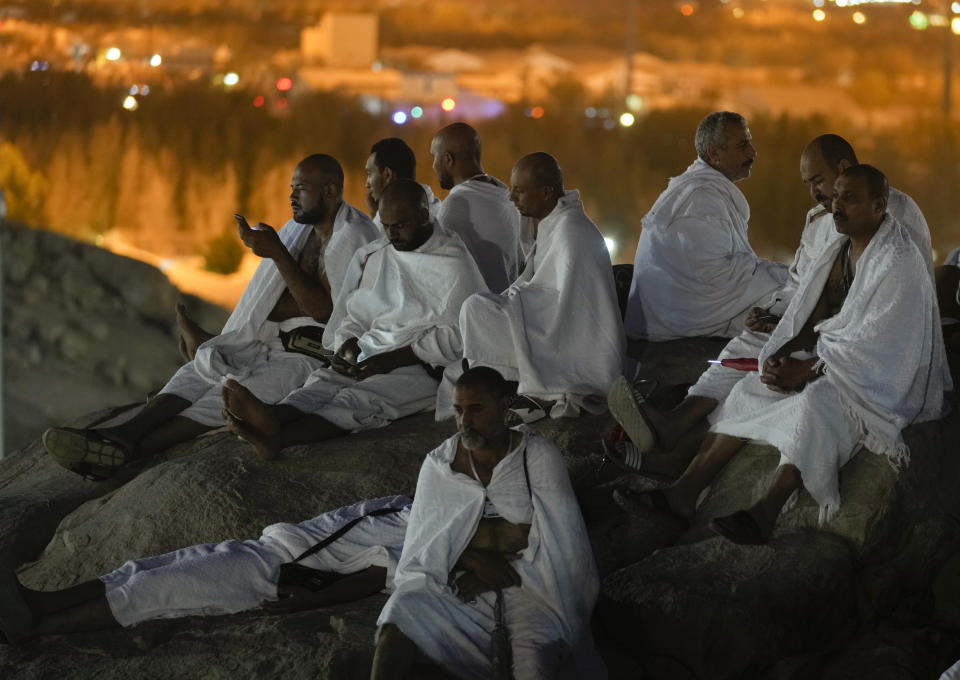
point(23, 187)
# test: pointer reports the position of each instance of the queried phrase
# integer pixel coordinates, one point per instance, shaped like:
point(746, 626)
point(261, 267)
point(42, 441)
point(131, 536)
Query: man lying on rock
point(293, 289)
point(678, 432)
point(494, 516)
point(854, 360)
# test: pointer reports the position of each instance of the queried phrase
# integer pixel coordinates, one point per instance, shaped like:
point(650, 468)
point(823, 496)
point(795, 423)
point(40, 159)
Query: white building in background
point(348, 40)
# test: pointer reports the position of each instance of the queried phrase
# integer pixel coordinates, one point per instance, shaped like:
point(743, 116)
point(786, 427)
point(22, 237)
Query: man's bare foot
point(267, 446)
point(191, 335)
point(243, 405)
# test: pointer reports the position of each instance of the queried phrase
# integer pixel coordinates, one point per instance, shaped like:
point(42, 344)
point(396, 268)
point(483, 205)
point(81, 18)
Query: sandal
point(527, 410)
point(626, 405)
point(740, 527)
point(16, 618)
point(85, 452)
point(627, 456)
point(652, 504)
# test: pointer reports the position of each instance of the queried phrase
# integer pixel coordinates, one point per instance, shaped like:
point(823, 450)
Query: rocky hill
point(83, 329)
point(875, 593)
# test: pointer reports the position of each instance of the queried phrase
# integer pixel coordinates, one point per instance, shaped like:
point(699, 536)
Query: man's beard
point(446, 181)
point(314, 216)
point(474, 441)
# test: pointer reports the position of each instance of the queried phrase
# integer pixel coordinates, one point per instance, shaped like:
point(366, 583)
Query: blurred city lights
point(448, 104)
point(399, 117)
point(859, 18)
point(819, 15)
point(134, 89)
point(536, 112)
point(634, 102)
point(258, 101)
point(611, 245)
point(627, 119)
point(130, 103)
point(686, 10)
point(590, 112)
point(416, 112)
point(144, 90)
point(608, 124)
point(818, 3)
point(738, 12)
point(955, 25)
point(39, 65)
point(284, 84)
point(112, 54)
point(919, 20)
point(156, 60)
point(955, 8)
point(281, 103)
point(231, 79)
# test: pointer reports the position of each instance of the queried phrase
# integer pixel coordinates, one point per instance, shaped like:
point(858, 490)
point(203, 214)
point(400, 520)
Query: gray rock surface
point(83, 329)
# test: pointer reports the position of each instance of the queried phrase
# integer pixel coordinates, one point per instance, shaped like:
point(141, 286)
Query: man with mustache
point(695, 273)
point(393, 329)
point(292, 291)
point(854, 360)
point(821, 162)
point(391, 159)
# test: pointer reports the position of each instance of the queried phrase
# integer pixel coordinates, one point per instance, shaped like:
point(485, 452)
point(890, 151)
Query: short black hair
point(834, 149)
point(877, 184)
point(393, 153)
point(488, 379)
point(326, 166)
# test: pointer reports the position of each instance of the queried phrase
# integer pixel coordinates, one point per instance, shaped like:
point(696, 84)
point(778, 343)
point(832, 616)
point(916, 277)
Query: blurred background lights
point(627, 119)
point(284, 84)
point(144, 90)
point(686, 10)
point(819, 15)
point(818, 3)
point(919, 20)
point(955, 25)
point(448, 104)
point(112, 54)
point(156, 60)
point(738, 12)
point(955, 8)
point(134, 89)
point(590, 112)
point(416, 112)
point(231, 79)
point(611, 245)
point(634, 102)
point(258, 101)
point(536, 112)
point(399, 117)
point(859, 18)
point(130, 103)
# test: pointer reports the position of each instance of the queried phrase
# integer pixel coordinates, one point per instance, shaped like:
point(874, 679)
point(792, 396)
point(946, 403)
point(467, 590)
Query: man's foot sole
point(84, 452)
point(625, 406)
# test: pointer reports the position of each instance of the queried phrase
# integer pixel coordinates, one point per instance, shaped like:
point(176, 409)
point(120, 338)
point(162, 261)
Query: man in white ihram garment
point(695, 273)
point(557, 329)
point(494, 525)
point(853, 361)
point(822, 161)
point(393, 329)
point(477, 208)
point(292, 291)
point(390, 159)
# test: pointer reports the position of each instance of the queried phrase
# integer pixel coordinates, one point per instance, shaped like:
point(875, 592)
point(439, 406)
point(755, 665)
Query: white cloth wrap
point(952, 673)
point(433, 205)
point(482, 215)
point(393, 299)
point(557, 328)
point(695, 273)
point(247, 343)
point(232, 576)
point(548, 614)
point(819, 231)
point(880, 357)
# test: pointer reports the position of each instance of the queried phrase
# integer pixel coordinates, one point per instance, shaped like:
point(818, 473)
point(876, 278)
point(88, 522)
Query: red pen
point(746, 364)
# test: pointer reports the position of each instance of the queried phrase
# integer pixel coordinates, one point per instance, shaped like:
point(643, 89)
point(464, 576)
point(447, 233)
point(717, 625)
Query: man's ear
point(388, 175)
point(331, 190)
point(842, 165)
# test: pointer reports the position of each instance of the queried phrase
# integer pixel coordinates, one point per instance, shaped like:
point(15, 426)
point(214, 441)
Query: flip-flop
point(627, 456)
point(652, 504)
point(740, 527)
point(626, 405)
point(527, 410)
point(16, 618)
point(85, 452)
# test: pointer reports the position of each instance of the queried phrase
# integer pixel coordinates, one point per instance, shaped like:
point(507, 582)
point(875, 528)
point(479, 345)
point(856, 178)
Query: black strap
point(344, 529)
point(526, 473)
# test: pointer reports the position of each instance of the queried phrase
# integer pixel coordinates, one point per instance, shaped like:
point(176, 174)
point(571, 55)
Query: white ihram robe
point(393, 299)
point(819, 232)
point(879, 354)
point(695, 273)
point(480, 212)
point(233, 576)
point(248, 349)
point(548, 615)
point(557, 328)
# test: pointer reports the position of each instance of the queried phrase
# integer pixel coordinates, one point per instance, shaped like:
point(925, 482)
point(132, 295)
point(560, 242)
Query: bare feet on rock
point(267, 446)
point(191, 335)
point(250, 419)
